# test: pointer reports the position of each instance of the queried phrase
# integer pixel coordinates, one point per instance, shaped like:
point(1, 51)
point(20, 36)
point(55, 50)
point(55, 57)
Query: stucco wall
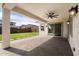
point(74, 40)
point(65, 30)
point(45, 32)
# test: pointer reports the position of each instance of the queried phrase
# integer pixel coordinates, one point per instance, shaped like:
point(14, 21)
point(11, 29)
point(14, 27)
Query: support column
point(5, 28)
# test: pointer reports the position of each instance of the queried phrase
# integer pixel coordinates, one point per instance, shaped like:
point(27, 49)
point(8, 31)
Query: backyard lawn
point(20, 35)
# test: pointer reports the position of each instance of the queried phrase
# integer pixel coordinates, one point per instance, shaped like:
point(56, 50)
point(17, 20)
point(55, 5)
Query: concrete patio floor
point(38, 46)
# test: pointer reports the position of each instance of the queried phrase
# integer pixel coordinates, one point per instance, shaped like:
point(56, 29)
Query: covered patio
point(58, 44)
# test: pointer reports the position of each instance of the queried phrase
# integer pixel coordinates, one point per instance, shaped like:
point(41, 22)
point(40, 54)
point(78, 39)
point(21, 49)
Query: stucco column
point(5, 28)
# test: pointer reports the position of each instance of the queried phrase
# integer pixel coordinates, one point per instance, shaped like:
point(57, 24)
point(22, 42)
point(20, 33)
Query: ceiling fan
point(52, 15)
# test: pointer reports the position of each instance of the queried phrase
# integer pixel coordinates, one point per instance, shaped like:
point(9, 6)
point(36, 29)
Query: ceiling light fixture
point(68, 22)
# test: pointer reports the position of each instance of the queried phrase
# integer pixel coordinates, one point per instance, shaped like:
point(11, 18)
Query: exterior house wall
point(65, 29)
point(41, 32)
point(74, 40)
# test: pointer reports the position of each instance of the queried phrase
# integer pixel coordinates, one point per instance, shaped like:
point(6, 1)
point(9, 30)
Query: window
point(42, 28)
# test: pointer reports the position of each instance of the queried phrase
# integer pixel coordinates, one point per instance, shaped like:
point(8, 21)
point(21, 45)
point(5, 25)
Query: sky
point(20, 19)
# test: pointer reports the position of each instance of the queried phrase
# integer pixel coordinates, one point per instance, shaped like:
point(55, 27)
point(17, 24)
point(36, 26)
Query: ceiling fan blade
point(55, 15)
point(51, 15)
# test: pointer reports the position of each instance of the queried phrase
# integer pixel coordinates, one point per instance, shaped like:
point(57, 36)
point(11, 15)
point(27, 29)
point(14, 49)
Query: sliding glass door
point(54, 29)
point(57, 29)
point(51, 29)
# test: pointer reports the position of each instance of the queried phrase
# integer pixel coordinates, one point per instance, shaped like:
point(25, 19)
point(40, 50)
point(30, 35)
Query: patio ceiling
point(26, 13)
point(39, 10)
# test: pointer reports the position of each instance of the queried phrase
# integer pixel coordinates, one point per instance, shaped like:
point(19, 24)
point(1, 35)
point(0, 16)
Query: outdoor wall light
point(68, 22)
point(73, 11)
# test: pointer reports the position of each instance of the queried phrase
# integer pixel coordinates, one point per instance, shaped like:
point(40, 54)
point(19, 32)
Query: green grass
point(20, 35)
